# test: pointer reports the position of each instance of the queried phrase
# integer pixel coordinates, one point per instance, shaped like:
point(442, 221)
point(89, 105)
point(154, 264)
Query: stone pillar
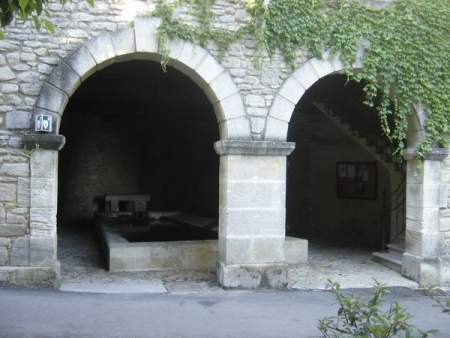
point(425, 196)
point(252, 214)
point(43, 206)
point(44, 266)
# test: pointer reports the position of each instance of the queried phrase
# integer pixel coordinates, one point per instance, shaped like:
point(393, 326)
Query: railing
point(398, 210)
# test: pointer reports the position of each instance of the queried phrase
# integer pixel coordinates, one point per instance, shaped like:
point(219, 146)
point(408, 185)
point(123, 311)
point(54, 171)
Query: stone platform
point(123, 255)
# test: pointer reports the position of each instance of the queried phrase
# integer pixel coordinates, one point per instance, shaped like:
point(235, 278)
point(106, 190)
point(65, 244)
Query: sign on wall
point(357, 180)
point(43, 123)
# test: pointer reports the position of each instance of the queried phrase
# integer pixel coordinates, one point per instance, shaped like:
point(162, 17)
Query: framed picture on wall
point(356, 180)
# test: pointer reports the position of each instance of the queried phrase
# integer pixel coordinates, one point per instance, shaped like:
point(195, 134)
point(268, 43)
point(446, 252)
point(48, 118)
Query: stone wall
point(263, 98)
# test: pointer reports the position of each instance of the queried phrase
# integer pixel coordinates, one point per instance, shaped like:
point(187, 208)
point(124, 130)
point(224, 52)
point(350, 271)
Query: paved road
point(26, 312)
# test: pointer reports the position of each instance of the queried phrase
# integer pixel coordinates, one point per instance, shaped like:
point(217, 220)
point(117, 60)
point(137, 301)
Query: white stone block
point(252, 276)
point(276, 130)
point(20, 252)
point(422, 219)
point(428, 174)
point(43, 192)
point(42, 251)
point(296, 251)
point(124, 43)
point(322, 67)
point(422, 195)
point(52, 99)
point(44, 164)
point(269, 250)
point(235, 129)
point(423, 244)
point(15, 169)
point(416, 121)
point(206, 71)
point(175, 46)
point(255, 195)
point(220, 88)
point(82, 62)
point(65, 78)
point(291, 90)
point(8, 192)
point(13, 230)
point(235, 250)
point(4, 256)
point(146, 35)
point(18, 120)
point(230, 108)
point(282, 109)
point(102, 50)
point(253, 168)
point(306, 75)
point(189, 57)
point(43, 222)
point(252, 223)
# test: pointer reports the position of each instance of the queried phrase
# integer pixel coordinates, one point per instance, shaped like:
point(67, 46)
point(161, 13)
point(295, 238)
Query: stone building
point(256, 149)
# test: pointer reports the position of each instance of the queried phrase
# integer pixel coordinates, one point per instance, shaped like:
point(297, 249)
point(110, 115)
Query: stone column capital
point(245, 147)
point(435, 154)
point(44, 141)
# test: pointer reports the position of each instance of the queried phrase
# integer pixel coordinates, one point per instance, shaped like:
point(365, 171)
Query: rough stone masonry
point(40, 72)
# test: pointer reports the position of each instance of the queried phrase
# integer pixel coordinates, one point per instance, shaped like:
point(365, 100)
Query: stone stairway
point(370, 138)
point(367, 134)
point(392, 258)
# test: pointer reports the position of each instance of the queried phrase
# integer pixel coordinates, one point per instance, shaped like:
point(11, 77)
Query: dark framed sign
point(356, 180)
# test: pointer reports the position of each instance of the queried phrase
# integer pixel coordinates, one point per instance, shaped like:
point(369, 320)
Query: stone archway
point(140, 43)
point(425, 194)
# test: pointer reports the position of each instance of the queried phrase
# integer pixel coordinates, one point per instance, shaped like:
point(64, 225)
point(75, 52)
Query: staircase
point(392, 258)
point(361, 123)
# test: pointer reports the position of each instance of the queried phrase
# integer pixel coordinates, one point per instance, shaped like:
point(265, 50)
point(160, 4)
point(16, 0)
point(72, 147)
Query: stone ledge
point(44, 141)
point(241, 147)
point(435, 154)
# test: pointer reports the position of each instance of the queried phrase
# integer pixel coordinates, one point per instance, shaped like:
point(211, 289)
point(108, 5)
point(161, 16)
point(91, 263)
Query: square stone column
point(252, 214)
point(43, 206)
point(426, 195)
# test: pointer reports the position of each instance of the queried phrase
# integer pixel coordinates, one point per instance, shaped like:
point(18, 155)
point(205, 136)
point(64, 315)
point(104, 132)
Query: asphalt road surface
point(32, 312)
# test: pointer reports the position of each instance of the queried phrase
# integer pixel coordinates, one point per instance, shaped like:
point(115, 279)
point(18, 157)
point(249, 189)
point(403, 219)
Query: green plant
point(405, 49)
point(23, 9)
point(370, 318)
point(443, 305)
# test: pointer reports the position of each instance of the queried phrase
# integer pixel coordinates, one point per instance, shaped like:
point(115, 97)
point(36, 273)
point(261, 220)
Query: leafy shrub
point(444, 305)
point(371, 318)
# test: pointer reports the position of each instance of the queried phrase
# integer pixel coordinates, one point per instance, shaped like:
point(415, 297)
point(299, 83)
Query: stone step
point(389, 260)
point(396, 249)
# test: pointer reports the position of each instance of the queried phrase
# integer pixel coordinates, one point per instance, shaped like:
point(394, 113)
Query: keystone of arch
point(141, 43)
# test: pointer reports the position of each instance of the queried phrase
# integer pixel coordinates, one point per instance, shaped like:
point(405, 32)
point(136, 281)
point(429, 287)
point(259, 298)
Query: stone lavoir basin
point(167, 240)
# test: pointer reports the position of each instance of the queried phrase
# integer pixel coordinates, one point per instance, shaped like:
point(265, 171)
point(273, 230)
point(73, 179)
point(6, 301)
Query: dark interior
point(133, 129)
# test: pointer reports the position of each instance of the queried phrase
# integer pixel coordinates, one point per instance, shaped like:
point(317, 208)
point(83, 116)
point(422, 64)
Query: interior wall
point(313, 209)
point(131, 129)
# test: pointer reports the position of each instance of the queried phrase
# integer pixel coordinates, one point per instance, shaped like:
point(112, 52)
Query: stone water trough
point(143, 240)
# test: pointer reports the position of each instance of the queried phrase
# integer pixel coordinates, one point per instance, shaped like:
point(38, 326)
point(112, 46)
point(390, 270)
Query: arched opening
point(133, 130)
point(341, 177)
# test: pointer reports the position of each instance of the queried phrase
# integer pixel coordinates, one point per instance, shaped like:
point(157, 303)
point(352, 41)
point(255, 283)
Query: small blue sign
point(43, 123)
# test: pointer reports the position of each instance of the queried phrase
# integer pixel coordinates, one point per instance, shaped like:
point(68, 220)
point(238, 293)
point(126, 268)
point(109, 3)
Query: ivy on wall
point(405, 48)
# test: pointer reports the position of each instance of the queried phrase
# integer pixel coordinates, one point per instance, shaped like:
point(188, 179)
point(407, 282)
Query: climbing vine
point(405, 47)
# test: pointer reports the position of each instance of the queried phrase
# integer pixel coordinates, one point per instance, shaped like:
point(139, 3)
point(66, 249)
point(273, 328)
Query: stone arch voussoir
point(141, 43)
point(304, 77)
